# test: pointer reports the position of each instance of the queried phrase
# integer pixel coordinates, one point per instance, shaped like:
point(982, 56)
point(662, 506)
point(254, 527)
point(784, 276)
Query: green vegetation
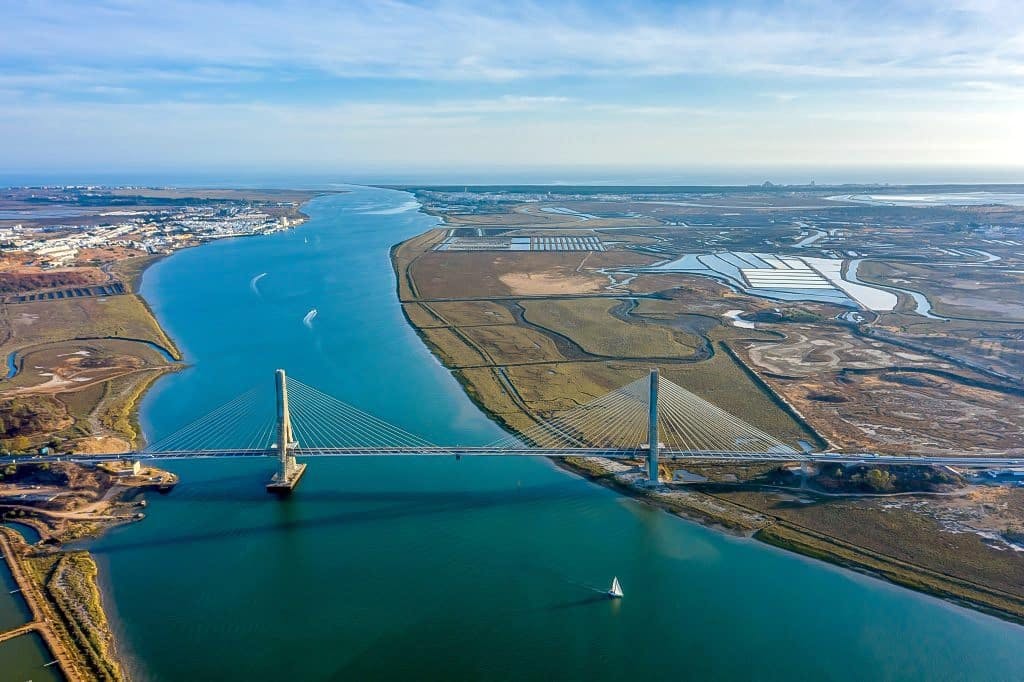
point(68, 581)
point(26, 417)
point(129, 270)
point(590, 324)
point(49, 321)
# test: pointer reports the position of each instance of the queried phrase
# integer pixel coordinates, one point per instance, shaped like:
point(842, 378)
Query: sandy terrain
point(541, 283)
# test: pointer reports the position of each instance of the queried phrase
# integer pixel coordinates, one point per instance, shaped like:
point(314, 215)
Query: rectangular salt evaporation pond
point(25, 658)
point(758, 274)
point(869, 297)
point(13, 609)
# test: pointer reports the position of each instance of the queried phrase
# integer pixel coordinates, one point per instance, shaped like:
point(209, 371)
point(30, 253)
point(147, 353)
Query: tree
point(879, 480)
point(19, 444)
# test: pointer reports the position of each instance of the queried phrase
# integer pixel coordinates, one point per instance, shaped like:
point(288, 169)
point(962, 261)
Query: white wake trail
point(254, 281)
point(308, 319)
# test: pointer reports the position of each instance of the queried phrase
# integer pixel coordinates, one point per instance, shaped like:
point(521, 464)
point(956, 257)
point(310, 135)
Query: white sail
point(616, 590)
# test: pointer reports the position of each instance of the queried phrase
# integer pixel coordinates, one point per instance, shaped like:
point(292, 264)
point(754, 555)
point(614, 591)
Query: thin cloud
point(446, 41)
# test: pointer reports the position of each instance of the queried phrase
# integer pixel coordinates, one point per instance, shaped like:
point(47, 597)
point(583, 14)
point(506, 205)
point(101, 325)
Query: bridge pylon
point(653, 444)
point(289, 471)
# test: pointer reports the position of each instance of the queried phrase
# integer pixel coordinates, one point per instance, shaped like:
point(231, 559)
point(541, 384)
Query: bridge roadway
point(610, 453)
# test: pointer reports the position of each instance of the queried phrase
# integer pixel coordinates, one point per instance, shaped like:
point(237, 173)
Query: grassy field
point(48, 321)
point(510, 344)
point(129, 270)
point(452, 348)
point(472, 313)
point(591, 325)
point(420, 316)
point(88, 361)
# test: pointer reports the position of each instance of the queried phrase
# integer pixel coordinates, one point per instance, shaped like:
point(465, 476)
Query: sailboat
point(616, 590)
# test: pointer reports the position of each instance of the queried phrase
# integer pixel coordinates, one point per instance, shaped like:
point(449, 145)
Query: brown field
point(812, 349)
point(454, 274)
point(970, 292)
point(452, 347)
point(898, 532)
point(129, 270)
point(849, 387)
point(18, 279)
point(992, 345)
point(544, 283)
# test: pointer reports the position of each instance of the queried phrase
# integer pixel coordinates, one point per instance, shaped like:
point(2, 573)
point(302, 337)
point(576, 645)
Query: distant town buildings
point(158, 231)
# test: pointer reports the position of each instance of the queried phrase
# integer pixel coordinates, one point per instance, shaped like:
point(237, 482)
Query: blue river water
point(442, 570)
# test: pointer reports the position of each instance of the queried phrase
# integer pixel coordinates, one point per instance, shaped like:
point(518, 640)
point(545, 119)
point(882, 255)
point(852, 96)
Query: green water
point(13, 609)
point(444, 570)
point(25, 658)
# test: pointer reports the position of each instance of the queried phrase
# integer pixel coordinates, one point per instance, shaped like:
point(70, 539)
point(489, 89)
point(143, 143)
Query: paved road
point(609, 453)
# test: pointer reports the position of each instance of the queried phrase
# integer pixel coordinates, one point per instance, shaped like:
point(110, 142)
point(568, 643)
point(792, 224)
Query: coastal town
point(83, 224)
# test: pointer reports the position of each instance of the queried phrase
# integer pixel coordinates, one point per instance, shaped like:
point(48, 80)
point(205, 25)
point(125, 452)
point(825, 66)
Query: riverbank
point(64, 599)
point(512, 371)
point(103, 354)
point(738, 519)
point(488, 558)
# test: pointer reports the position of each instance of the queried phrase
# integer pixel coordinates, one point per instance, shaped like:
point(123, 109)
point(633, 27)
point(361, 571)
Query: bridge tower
point(290, 471)
point(652, 430)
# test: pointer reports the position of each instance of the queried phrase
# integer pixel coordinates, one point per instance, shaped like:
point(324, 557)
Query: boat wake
point(254, 281)
point(308, 319)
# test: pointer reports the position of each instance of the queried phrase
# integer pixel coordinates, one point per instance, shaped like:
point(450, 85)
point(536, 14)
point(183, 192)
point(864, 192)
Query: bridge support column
point(652, 431)
point(289, 471)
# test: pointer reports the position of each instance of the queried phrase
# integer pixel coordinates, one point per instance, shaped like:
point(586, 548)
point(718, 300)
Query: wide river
point(486, 569)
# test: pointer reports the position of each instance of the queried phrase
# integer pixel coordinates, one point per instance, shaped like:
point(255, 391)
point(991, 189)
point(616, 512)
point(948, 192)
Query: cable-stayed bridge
point(650, 419)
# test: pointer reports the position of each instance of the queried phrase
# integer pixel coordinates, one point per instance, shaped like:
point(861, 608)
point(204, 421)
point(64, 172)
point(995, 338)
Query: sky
point(386, 86)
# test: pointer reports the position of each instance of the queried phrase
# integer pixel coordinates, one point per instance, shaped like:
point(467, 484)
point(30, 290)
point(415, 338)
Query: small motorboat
point(616, 590)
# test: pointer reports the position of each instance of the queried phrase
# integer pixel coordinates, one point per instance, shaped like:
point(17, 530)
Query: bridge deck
point(610, 453)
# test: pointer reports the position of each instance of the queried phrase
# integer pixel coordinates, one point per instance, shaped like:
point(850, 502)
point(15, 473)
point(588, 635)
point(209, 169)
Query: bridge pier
point(289, 471)
point(653, 446)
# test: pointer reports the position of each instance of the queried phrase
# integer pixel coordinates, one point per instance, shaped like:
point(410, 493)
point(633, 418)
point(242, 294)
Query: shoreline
point(113, 653)
point(119, 651)
point(739, 520)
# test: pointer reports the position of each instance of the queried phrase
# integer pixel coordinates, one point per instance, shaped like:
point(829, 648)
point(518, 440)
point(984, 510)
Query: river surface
point(443, 570)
